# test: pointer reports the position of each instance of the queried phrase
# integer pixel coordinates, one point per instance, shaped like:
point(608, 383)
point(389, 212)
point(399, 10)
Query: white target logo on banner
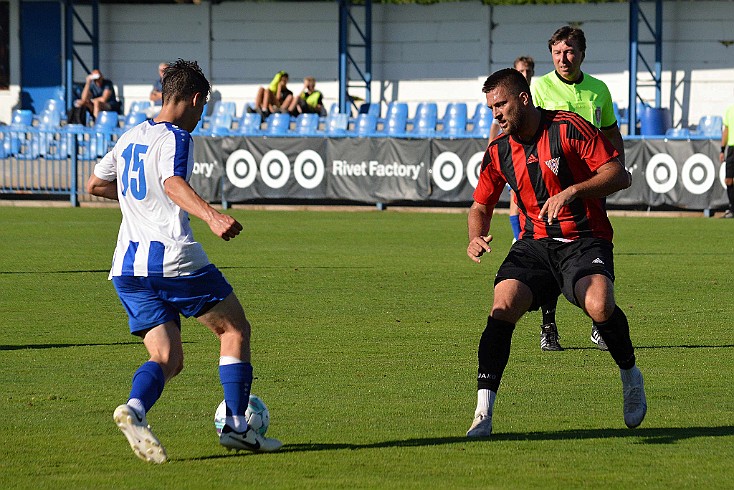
point(241, 168)
point(447, 171)
point(275, 169)
point(309, 169)
point(661, 173)
point(473, 167)
point(698, 173)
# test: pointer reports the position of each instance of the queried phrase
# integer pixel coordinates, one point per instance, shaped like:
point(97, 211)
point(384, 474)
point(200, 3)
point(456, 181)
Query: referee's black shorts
point(550, 267)
point(729, 161)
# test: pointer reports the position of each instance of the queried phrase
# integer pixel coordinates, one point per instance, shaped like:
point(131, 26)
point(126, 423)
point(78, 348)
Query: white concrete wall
point(436, 53)
point(9, 98)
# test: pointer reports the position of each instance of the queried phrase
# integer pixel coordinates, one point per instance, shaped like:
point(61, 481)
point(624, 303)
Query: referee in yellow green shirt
point(568, 88)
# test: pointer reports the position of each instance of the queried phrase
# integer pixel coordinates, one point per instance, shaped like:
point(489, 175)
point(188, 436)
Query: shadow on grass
point(669, 435)
point(61, 346)
point(684, 346)
point(222, 267)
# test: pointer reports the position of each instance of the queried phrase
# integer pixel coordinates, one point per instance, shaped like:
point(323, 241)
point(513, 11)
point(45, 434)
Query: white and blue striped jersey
point(155, 237)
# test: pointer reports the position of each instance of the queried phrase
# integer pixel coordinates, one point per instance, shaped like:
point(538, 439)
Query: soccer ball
point(257, 415)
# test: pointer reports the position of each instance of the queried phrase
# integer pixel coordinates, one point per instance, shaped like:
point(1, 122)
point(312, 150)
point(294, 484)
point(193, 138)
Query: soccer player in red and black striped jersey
point(561, 168)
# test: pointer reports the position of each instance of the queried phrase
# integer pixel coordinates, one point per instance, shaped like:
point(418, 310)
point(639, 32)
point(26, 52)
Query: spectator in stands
point(275, 97)
point(727, 155)
point(98, 95)
point(310, 100)
point(526, 66)
point(568, 88)
point(156, 94)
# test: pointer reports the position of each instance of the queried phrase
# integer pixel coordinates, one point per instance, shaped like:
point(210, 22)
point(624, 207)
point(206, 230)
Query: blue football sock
point(236, 380)
point(515, 223)
point(148, 383)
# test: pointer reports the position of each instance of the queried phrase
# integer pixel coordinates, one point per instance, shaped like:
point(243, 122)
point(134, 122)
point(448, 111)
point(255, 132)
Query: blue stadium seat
point(221, 124)
point(366, 125)
point(278, 124)
point(620, 114)
point(49, 122)
point(21, 118)
point(250, 123)
point(106, 127)
point(481, 121)
point(224, 107)
point(370, 108)
point(21, 143)
point(710, 126)
point(133, 119)
point(107, 121)
point(426, 117)
point(85, 138)
point(454, 120)
point(247, 107)
point(678, 133)
point(9, 144)
point(307, 125)
point(56, 106)
point(397, 119)
point(49, 119)
point(139, 106)
point(336, 124)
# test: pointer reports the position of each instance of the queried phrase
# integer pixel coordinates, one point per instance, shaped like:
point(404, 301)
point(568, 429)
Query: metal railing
point(51, 161)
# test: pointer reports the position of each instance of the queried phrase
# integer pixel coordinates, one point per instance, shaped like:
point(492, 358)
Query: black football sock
point(549, 311)
point(616, 334)
point(730, 194)
point(494, 352)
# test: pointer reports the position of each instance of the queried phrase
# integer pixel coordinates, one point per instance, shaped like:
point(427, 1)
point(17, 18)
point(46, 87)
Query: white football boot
point(143, 442)
point(481, 426)
point(248, 440)
point(635, 403)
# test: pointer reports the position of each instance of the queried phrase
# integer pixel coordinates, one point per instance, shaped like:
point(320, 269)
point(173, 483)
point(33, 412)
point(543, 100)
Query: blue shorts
point(152, 301)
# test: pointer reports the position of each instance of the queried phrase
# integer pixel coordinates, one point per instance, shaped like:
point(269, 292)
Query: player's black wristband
point(723, 149)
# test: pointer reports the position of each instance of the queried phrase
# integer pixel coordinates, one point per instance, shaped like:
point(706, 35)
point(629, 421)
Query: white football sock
point(485, 401)
point(227, 360)
point(137, 405)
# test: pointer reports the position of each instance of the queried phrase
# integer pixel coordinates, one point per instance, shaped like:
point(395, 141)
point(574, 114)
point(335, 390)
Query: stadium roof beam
point(637, 50)
point(355, 33)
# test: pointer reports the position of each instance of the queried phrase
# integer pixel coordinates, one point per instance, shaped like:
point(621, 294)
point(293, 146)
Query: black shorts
point(550, 267)
point(729, 162)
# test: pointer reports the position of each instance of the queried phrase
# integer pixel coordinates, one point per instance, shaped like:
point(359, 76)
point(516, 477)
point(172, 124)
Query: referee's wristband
point(723, 149)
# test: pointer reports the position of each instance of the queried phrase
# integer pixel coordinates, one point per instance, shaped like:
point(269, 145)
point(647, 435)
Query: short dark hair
point(528, 60)
point(509, 78)
point(568, 33)
point(182, 79)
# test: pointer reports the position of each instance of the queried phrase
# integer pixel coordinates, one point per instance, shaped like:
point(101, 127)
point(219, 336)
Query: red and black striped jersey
point(566, 150)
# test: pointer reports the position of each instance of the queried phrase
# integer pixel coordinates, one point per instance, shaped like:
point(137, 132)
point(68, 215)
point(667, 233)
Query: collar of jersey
point(579, 80)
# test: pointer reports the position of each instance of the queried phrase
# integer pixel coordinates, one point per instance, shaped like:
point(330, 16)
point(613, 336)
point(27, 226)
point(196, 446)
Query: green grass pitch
point(365, 329)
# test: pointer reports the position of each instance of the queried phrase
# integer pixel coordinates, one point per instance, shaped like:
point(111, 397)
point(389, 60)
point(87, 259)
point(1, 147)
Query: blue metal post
point(634, 13)
point(343, 76)
point(368, 50)
point(658, 52)
point(69, 53)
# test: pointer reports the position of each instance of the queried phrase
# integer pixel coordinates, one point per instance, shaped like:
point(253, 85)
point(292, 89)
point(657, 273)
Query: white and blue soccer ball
point(257, 415)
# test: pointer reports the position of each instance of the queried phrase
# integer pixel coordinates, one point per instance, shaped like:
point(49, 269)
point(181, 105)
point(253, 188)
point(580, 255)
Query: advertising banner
point(378, 169)
point(680, 173)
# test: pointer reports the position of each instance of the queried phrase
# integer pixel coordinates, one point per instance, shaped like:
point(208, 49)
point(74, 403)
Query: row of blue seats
point(368, 123)
point(58, 144)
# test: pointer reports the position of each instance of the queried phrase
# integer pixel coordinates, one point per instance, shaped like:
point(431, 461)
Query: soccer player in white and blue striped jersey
point(160, 272)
